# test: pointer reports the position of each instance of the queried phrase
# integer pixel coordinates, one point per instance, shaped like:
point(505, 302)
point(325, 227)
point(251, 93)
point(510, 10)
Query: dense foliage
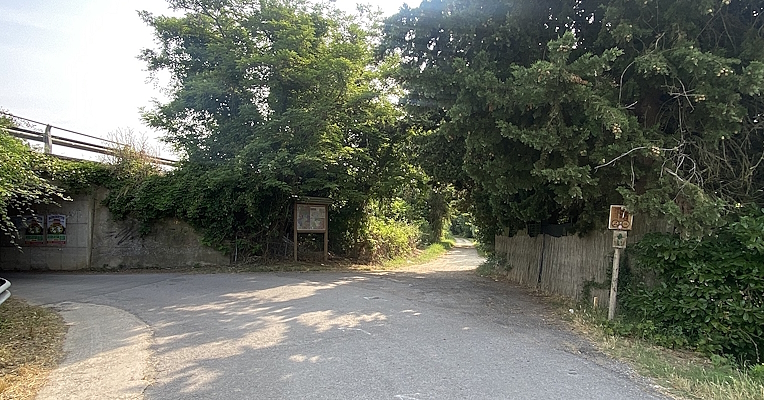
point(708, 295)
point(551, 110)
point(270, 101)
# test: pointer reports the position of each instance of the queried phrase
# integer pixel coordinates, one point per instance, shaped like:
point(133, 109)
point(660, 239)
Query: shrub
point(388, 239)
point(707, 294)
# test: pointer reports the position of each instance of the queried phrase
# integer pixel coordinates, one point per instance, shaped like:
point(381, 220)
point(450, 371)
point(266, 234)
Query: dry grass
point(31, 345)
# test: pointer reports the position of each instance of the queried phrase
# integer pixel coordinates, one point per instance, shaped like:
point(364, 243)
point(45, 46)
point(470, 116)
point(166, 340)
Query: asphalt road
point(436, 331)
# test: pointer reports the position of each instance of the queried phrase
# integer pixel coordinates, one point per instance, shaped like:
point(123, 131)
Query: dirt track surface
point(434, 331)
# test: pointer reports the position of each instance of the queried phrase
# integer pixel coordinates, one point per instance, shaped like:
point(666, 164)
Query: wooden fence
point(569, 265)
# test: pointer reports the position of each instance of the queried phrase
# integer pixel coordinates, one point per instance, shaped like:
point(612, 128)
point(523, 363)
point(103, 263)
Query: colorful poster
point(34, 233)
point(57, 229)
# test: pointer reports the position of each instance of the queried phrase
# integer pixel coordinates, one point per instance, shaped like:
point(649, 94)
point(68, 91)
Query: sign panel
point(311, 218)
point(56, 229)
point(619, 239)
point(620, 219)
point(34, 233)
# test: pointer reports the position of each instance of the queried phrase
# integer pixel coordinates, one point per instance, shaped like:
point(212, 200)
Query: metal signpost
point(620, 222)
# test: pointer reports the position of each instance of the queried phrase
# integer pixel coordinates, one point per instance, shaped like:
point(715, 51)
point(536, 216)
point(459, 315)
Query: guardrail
point(49, 140)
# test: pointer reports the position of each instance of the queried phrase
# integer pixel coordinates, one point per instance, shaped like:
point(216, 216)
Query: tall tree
point(273, 99)
point(554, 109)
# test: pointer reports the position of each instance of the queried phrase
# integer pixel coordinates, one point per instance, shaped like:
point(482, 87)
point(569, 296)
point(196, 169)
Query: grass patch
point(680, 374)
point(31, 345)
point(422, 256)
point(493, 267)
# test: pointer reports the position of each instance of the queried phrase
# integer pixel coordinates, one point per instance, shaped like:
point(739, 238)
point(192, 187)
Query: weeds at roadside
point(31, 345)
point(680, 374)
point(493, 267)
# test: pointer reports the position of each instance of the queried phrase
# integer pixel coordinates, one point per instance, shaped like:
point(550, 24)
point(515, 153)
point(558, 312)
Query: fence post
point(47, 140)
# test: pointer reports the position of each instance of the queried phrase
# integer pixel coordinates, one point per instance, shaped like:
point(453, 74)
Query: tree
point(271, 100)
point(552, 110)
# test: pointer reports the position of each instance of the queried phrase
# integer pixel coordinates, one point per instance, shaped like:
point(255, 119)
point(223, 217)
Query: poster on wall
point(34, 233)
point(56, 229)
point(311, 218)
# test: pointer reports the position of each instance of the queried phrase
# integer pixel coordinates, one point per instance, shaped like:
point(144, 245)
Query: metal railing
point(49, 140)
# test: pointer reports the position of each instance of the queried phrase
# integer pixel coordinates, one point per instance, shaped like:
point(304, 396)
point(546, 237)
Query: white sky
point(72, 63)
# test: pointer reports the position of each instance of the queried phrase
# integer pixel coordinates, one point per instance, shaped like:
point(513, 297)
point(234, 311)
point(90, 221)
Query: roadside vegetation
point(31, 345)
point(683, 374)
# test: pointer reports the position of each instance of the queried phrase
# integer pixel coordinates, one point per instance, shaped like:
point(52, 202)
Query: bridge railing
point(49, 140)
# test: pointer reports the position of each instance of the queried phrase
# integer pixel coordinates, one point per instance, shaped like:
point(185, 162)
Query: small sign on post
point(620, 222)
point(619, 239)
point(620, 219)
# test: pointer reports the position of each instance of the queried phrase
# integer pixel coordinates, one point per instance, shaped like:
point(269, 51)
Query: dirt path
point(462, 258)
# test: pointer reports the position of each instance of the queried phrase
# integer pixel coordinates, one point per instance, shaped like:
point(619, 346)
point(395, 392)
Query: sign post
point(620, 222)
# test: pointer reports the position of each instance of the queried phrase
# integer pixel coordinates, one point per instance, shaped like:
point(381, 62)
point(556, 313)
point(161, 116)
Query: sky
point(72, 63)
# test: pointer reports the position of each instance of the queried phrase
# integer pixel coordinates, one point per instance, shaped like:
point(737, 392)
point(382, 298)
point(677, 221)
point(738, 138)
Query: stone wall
point(94, 239)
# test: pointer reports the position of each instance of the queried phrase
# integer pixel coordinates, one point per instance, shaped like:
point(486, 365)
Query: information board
point(311, 218)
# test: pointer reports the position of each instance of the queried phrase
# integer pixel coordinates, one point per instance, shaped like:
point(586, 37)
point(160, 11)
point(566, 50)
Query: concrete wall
point(96, 240)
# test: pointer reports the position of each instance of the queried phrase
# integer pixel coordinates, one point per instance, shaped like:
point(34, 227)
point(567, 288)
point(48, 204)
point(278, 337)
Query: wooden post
point(614, 284)
point(295, 232)
point(326, 244)
point(47, 140)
